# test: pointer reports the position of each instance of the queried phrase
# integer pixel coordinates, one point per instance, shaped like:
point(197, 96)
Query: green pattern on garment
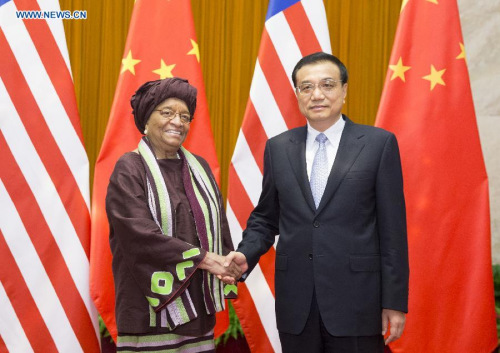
point(186, 348)
point(212, 197)
point(181, 267)
point(215, 240)
point(228, 288)
point(204, 209)
point(193, 161)
point(181, 309)
point(162, 282)
point(152, 317)
point(166, 343)
point(206, 214)
point(163, 338)
point(153, 303)
point(190, 253)
point(164, 199)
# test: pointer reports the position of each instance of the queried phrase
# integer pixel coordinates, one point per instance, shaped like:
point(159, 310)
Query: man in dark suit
point(333, 191)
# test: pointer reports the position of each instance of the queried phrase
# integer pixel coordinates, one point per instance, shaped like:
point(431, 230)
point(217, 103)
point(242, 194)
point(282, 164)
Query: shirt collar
point(333, 132)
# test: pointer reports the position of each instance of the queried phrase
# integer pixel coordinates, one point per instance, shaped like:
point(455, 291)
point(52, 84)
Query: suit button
point(310, 256)
point(316, 224)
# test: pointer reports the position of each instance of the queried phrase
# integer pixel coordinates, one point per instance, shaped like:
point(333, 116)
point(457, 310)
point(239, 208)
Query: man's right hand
point(216, 264)
point(237, 258)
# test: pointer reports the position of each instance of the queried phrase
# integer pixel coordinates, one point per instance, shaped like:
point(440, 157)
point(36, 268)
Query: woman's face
point(166, 136)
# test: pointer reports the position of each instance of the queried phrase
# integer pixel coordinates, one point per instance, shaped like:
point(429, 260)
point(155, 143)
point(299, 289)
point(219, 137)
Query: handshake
point(227, 268)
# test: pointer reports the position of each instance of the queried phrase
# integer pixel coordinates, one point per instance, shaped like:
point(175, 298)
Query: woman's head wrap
point(152, 93)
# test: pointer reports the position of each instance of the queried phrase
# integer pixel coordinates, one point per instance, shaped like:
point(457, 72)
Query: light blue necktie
point(319, 171)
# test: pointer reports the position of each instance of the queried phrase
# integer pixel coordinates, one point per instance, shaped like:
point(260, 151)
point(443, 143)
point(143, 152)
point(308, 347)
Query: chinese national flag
point(161, 43)
point(427, 103)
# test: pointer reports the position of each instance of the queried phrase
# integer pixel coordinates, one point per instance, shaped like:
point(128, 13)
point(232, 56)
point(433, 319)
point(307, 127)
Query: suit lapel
point(350, 146)
point(296, 152)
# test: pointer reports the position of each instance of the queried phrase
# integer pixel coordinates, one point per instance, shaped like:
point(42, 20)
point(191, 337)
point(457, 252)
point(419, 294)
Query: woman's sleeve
point(160, 265)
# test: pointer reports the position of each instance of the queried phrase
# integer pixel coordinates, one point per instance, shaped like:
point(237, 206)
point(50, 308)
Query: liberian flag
point(45, 304)
point(292, 30)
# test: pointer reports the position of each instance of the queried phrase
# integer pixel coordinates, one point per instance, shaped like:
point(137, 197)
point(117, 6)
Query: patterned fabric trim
point(211, 209)
point(166, 343)
point(157, 184)
point(152, 203)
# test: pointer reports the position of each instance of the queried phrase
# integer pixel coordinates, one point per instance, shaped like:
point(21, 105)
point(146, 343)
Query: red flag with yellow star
point(427, 103)
point(161, 43)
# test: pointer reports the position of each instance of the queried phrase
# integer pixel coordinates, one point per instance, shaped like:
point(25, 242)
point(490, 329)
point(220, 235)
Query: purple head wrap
point(152, 93)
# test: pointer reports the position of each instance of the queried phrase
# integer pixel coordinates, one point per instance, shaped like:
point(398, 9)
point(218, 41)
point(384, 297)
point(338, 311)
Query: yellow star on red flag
point(435, 77)
point(462, 52)
point(399, 70)
point(433, 1)
point(165, 70)
point(195, 50)
point(129, 63)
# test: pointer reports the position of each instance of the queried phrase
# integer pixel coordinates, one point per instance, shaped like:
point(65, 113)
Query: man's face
point(321, 107)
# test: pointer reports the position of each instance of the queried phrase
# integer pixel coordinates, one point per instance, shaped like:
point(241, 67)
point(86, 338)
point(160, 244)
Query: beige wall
point(481, 30)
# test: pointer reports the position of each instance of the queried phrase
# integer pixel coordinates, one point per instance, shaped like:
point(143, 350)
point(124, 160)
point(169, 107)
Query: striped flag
point(292, 30)
point(149, 55)
point(45, 304)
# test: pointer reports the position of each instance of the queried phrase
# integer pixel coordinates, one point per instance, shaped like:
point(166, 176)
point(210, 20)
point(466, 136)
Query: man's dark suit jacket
point(352, 250)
